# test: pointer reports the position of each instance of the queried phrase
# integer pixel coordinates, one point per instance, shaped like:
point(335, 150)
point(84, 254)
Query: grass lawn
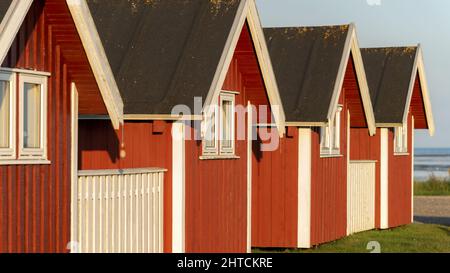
point(432, 187)
point(414, 238)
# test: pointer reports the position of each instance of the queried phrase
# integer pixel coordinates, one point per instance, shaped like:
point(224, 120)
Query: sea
point(431, 161)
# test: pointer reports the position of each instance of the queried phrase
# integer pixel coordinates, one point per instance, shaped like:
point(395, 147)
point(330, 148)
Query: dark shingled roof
point(389, 72)
point(306, 62)
point(163, 52)
point(4, 5)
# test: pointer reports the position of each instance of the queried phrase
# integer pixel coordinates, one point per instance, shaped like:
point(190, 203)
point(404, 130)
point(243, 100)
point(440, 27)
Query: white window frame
point(206, 127)
point(41, 152)
point(219, 151)
point(330, 135)
point(10, 152)
point(401, 139)
point(227, 97)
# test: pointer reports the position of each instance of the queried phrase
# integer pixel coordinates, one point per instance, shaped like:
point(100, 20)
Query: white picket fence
point(361, 196)
point(120, 211)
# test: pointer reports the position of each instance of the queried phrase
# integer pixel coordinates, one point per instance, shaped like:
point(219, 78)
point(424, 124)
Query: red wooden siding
point(147, 144)
point(216, 201)
point(245, 75)
point(329, 188)
point(275, 194)
point(400, 182)
point(366, 147)
point(35, 200)
point(329, 175)
point(417, 106)
point(353, 96)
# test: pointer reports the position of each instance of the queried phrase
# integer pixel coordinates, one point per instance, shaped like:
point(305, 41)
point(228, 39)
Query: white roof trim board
point(352, 47)
point(419, 68)
point(11, 23)
point(248, 13)
point(97, 59)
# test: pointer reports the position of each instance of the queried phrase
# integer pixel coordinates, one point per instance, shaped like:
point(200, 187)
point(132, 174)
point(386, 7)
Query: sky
point(385, 23)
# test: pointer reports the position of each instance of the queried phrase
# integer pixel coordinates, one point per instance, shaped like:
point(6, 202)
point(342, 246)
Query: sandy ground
point(432, 210)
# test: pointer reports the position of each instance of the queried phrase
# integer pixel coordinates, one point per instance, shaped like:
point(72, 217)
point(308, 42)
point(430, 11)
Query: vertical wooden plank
point(161, 212)
point(114, 211)
point(101, 215)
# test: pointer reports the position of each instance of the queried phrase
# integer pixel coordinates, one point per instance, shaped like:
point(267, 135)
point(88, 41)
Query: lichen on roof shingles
point(221, 5)
point(216, 6)
point(134, 4)
point(399, 51)
point(335, 31)
point(327, 34)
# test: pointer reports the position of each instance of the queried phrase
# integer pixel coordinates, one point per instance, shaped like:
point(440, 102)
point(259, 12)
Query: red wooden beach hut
point(46, 78)
point(300, 189)
point(400, 97)
point(214, 51)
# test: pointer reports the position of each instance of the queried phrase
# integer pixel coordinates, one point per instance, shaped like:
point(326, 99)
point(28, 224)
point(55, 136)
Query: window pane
point(325, 137)
point(32, 115)
point(337, 131)
point(4, 114)
point(405, 138)
point(227, 129)
point(210, 138)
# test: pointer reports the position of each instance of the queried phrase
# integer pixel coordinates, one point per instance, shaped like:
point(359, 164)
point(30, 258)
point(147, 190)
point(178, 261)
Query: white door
point(361, 196)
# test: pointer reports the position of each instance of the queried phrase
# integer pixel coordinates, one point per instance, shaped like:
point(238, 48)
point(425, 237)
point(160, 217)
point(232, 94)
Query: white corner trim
point(247, 12)
point(178, 187)
point(384, 178)
point(74, 170)
point(249, 176)
point(97, 59)
point(348, 176)
point(11, 23)
point(304, 188)
point(412, 168)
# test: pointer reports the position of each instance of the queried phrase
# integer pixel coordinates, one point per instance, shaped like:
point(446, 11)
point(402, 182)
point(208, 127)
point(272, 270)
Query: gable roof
point(310, 63)
point(12, 15)
point(165, 53)
point(391, 73)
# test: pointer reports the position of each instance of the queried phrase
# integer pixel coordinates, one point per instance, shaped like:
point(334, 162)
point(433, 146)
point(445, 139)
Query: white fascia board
point(341, 74)
point(425, 91)
point(352, 46)
point(363, 84)
point(97, 59)
point(11, 23)
point(247, 12)
point(265, 64)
